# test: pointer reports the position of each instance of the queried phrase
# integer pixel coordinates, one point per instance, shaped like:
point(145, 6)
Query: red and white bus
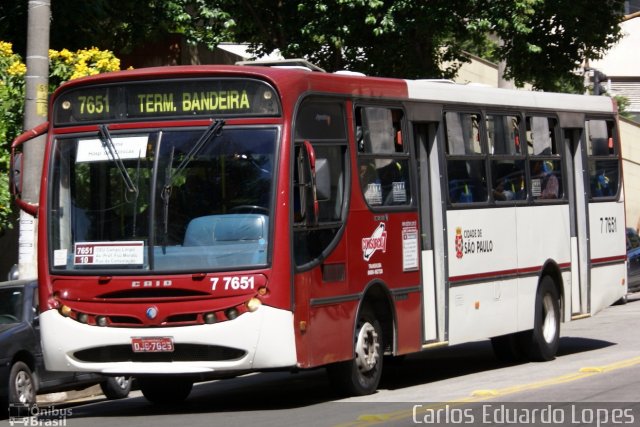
point(208, 221)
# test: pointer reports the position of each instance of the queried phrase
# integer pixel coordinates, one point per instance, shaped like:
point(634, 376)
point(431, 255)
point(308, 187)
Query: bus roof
point(302, 81)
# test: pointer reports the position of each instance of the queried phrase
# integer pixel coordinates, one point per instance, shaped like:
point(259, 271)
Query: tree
point(542, 41)
point(553, 38)
point(64, 65)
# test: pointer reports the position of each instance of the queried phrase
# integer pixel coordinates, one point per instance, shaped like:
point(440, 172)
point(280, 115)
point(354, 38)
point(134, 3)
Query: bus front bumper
point(263, 339)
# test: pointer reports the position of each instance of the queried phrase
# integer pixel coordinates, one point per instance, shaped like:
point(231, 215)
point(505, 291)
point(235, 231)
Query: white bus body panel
point(266, 335)
point(607, 231)
point(493, 275)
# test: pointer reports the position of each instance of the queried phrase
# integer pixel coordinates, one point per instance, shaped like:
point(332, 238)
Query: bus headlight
point(101, 321)
point(65, 310)
point(209, 318)
point(82, 317)
point(253, 304)
point(231, 313)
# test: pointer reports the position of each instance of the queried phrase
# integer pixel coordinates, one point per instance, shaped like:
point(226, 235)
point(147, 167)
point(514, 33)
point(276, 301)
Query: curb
point(71, 395)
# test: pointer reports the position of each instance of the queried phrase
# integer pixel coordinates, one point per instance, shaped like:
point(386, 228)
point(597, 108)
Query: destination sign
point(166, 99)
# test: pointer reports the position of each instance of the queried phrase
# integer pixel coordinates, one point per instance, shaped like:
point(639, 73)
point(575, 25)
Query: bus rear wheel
point(541, 343)
point(165, 390)
point(361, 375)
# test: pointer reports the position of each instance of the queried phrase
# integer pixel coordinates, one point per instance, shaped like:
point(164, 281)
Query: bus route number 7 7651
point(233, 283)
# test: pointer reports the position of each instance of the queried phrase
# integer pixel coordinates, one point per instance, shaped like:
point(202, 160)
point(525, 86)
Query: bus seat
point(460, 191)
point(214, 229)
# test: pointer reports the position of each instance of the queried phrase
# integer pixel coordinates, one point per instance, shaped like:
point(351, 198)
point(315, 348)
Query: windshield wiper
point(213, 130)
point(107, 142)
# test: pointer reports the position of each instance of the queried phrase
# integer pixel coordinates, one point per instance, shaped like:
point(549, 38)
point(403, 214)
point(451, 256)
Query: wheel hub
point(367, 347)
point(549, 325)
point(24, 388)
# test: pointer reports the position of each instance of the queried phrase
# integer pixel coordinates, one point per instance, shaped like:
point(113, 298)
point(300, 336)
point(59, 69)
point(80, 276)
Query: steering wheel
point(249, 209)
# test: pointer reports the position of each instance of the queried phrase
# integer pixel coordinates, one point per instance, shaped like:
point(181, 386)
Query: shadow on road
point(285, 391)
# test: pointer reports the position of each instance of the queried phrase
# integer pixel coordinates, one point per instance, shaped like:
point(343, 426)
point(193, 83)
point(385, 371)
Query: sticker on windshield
point(129, 147)
point(108, 253)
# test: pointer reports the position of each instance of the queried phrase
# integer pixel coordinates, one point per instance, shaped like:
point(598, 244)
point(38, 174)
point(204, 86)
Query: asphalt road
point(596, 375)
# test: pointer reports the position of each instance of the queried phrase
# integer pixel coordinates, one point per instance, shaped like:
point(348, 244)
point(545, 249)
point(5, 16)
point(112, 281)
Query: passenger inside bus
point(545, 184)
point(508, 179)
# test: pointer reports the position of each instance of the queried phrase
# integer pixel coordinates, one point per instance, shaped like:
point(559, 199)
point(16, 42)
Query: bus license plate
point(151, 344)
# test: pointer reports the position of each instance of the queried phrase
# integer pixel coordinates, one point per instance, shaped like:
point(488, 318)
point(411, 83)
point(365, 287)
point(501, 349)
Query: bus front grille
point(181, 353)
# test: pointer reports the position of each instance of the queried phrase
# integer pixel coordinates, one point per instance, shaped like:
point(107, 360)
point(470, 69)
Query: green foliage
point(547, 40)
point(11, 100)
point(623, 104)
point(542, 41)
point(64, 65)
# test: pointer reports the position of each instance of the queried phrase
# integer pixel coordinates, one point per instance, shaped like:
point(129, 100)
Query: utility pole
point(35, 113)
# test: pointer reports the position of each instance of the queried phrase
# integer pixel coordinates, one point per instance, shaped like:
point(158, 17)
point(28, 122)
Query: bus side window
point(545, 165)
point(383, 159)
point(466, 171)
point(602, 154)
point(322, 124)
point(506, 157)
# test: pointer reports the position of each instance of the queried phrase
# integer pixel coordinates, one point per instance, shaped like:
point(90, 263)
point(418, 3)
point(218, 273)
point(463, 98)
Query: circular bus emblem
point(152, 312)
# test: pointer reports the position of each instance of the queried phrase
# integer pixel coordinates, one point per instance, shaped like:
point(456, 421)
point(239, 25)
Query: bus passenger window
point(463, 133)
point(602, 154)
point(541, 136)
point(508, 180)
point(383, 160)
point(318, 194)
point(545, 164)
point(546, 179)
point(465, 182)
point(466, 171)
point(503, 134)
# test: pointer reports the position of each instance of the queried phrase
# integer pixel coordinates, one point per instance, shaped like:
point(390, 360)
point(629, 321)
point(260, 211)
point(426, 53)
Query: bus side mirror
point(16, 172)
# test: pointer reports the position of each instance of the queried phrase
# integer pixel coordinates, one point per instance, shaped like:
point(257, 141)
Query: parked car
point(633, 260)
point(22, 371)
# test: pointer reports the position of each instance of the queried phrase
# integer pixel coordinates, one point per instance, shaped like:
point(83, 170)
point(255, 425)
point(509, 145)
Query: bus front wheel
point(361, 375)
point(542, 342)
point(164, 390)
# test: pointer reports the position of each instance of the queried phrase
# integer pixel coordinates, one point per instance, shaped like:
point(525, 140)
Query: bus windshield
point(149, 201)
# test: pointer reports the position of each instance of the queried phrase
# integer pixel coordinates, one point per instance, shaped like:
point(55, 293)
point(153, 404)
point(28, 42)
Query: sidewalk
point(93, 392)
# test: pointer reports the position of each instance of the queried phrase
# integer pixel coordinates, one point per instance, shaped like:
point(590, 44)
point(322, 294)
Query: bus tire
point(360, 376)
point(165, 390)
point(541, 343)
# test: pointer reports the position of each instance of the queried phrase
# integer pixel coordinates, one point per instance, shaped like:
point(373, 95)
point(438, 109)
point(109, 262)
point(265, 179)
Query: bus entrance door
point(580, 258)
point(432, 267)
